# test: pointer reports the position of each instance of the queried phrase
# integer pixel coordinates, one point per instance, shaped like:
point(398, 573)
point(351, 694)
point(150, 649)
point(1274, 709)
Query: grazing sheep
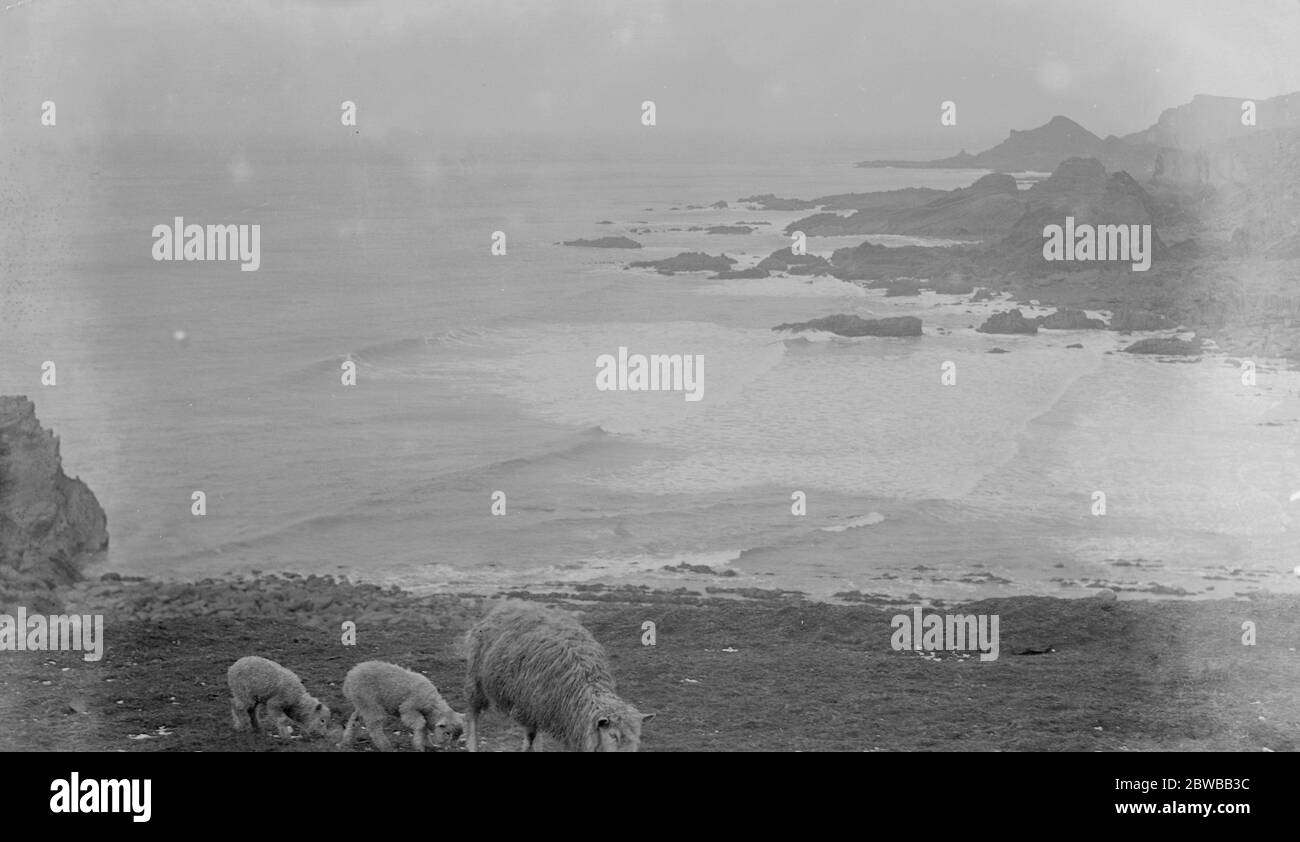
point(544, 670)
point(256, 682)
point(377, 689)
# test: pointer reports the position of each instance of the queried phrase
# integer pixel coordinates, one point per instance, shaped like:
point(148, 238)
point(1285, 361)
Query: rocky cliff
point(49, 523)
point(1242, 190)
point(1210, 120)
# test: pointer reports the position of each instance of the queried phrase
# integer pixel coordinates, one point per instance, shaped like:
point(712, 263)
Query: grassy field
point(725, 674)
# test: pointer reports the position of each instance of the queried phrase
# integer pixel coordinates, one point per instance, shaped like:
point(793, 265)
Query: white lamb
point(256, 682)
point(377, 690)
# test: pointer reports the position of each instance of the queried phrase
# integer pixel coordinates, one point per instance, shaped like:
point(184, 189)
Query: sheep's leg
point(478, 702)
point(347, 731)
point(277, 715)
point(414, 720)
point(239, 714)
point(375, 728)
point(530, 734)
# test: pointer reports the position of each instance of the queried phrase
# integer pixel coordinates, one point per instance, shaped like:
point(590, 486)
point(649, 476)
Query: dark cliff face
point(49, 523)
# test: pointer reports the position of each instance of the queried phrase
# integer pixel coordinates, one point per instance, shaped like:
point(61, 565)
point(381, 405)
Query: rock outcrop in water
point(785, 260)
point(845, 324)
point(1012, 321)
point(687, 261)
point(49, 523)
point(1171, 346)
point(1069, 319)
point(1137, 319)
point(605, 242)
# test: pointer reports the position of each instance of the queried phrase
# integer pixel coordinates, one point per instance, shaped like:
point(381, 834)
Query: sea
point(474, 452)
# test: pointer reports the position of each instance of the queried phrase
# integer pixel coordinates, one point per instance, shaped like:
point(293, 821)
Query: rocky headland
point(1043, 149)
point(987, 208)
point(605, 243)
point(844, 324)
point(1225, 239)
point(51, 525)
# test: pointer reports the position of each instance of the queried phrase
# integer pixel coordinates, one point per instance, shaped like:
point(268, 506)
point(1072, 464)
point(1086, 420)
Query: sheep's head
point(315, 718)
point(444, 728)
point(620, 730)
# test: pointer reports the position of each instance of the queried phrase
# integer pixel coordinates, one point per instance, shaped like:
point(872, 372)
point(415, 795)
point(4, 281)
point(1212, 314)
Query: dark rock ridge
point(1171, 346)
point(785, 260)
point(1068, 319)
point(605, 243)
point(1012, 321)
point(881, 264)
point(897, 289)
point(845, 324)
point(50, 525)
point(1136, 319)
point(729, 229)
point(687, 261)
point(987, 208)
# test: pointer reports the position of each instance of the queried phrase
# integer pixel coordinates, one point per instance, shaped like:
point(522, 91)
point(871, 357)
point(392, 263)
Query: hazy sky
point(790, 71)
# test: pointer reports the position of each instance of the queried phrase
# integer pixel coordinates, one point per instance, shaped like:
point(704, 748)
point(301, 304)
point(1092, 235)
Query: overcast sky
point(789, 71)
